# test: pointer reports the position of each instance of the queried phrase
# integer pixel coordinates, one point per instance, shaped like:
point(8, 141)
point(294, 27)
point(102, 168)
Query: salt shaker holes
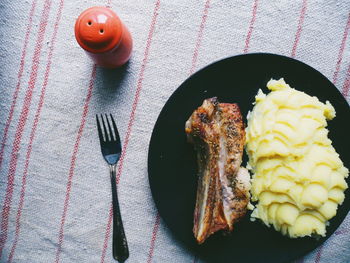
point(104, 37)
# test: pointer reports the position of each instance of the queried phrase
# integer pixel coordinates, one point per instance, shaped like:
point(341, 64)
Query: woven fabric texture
point(55, 192)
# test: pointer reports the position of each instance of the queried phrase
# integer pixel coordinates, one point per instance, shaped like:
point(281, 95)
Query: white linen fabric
point(54, 185)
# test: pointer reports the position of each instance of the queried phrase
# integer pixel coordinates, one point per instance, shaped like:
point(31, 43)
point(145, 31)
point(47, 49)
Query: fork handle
point(119, 245)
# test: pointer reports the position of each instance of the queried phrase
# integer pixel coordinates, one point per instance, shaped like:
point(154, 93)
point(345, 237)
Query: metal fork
point(111, 151)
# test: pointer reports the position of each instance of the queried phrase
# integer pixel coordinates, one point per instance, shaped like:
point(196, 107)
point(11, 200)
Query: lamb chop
point(217, 132)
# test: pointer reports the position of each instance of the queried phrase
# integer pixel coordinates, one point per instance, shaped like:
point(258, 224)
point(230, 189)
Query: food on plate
point(298, 178)
point(217, 132)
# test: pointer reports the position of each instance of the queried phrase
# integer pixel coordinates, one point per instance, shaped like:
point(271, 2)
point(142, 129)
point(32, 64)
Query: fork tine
point(105, 129)
point(111, 133)
point(116, 133)
point(100, 134)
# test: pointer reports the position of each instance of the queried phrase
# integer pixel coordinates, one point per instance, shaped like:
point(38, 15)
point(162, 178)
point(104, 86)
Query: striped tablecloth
point(54, 185)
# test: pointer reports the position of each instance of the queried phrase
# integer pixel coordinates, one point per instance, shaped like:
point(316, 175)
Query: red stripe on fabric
point(32, 134)
point(72, 164)
point(19, 79)
point(194, 62)
point(132, 115)
point(342, 231)
point(200, 36)
point(138, 90)
point(21, 124)
point(341, 51)
point(251, 26)
point(346, 85)
point(300, 27)
point(108, 233)
point(319, 253)
point(154, 238)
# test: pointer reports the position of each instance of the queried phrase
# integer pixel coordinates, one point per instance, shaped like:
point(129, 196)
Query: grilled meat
point(217, 132)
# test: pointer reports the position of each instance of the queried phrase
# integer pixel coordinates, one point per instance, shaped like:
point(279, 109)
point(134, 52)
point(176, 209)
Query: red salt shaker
point(104, 37)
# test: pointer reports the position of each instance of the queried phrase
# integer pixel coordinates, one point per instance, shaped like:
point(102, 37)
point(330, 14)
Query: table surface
point(54, 185)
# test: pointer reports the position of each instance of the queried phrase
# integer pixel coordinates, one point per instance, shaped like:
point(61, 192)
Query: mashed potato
point(298, 178)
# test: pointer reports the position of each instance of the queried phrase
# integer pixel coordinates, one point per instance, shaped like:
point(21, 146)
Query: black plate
point(172, 163)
